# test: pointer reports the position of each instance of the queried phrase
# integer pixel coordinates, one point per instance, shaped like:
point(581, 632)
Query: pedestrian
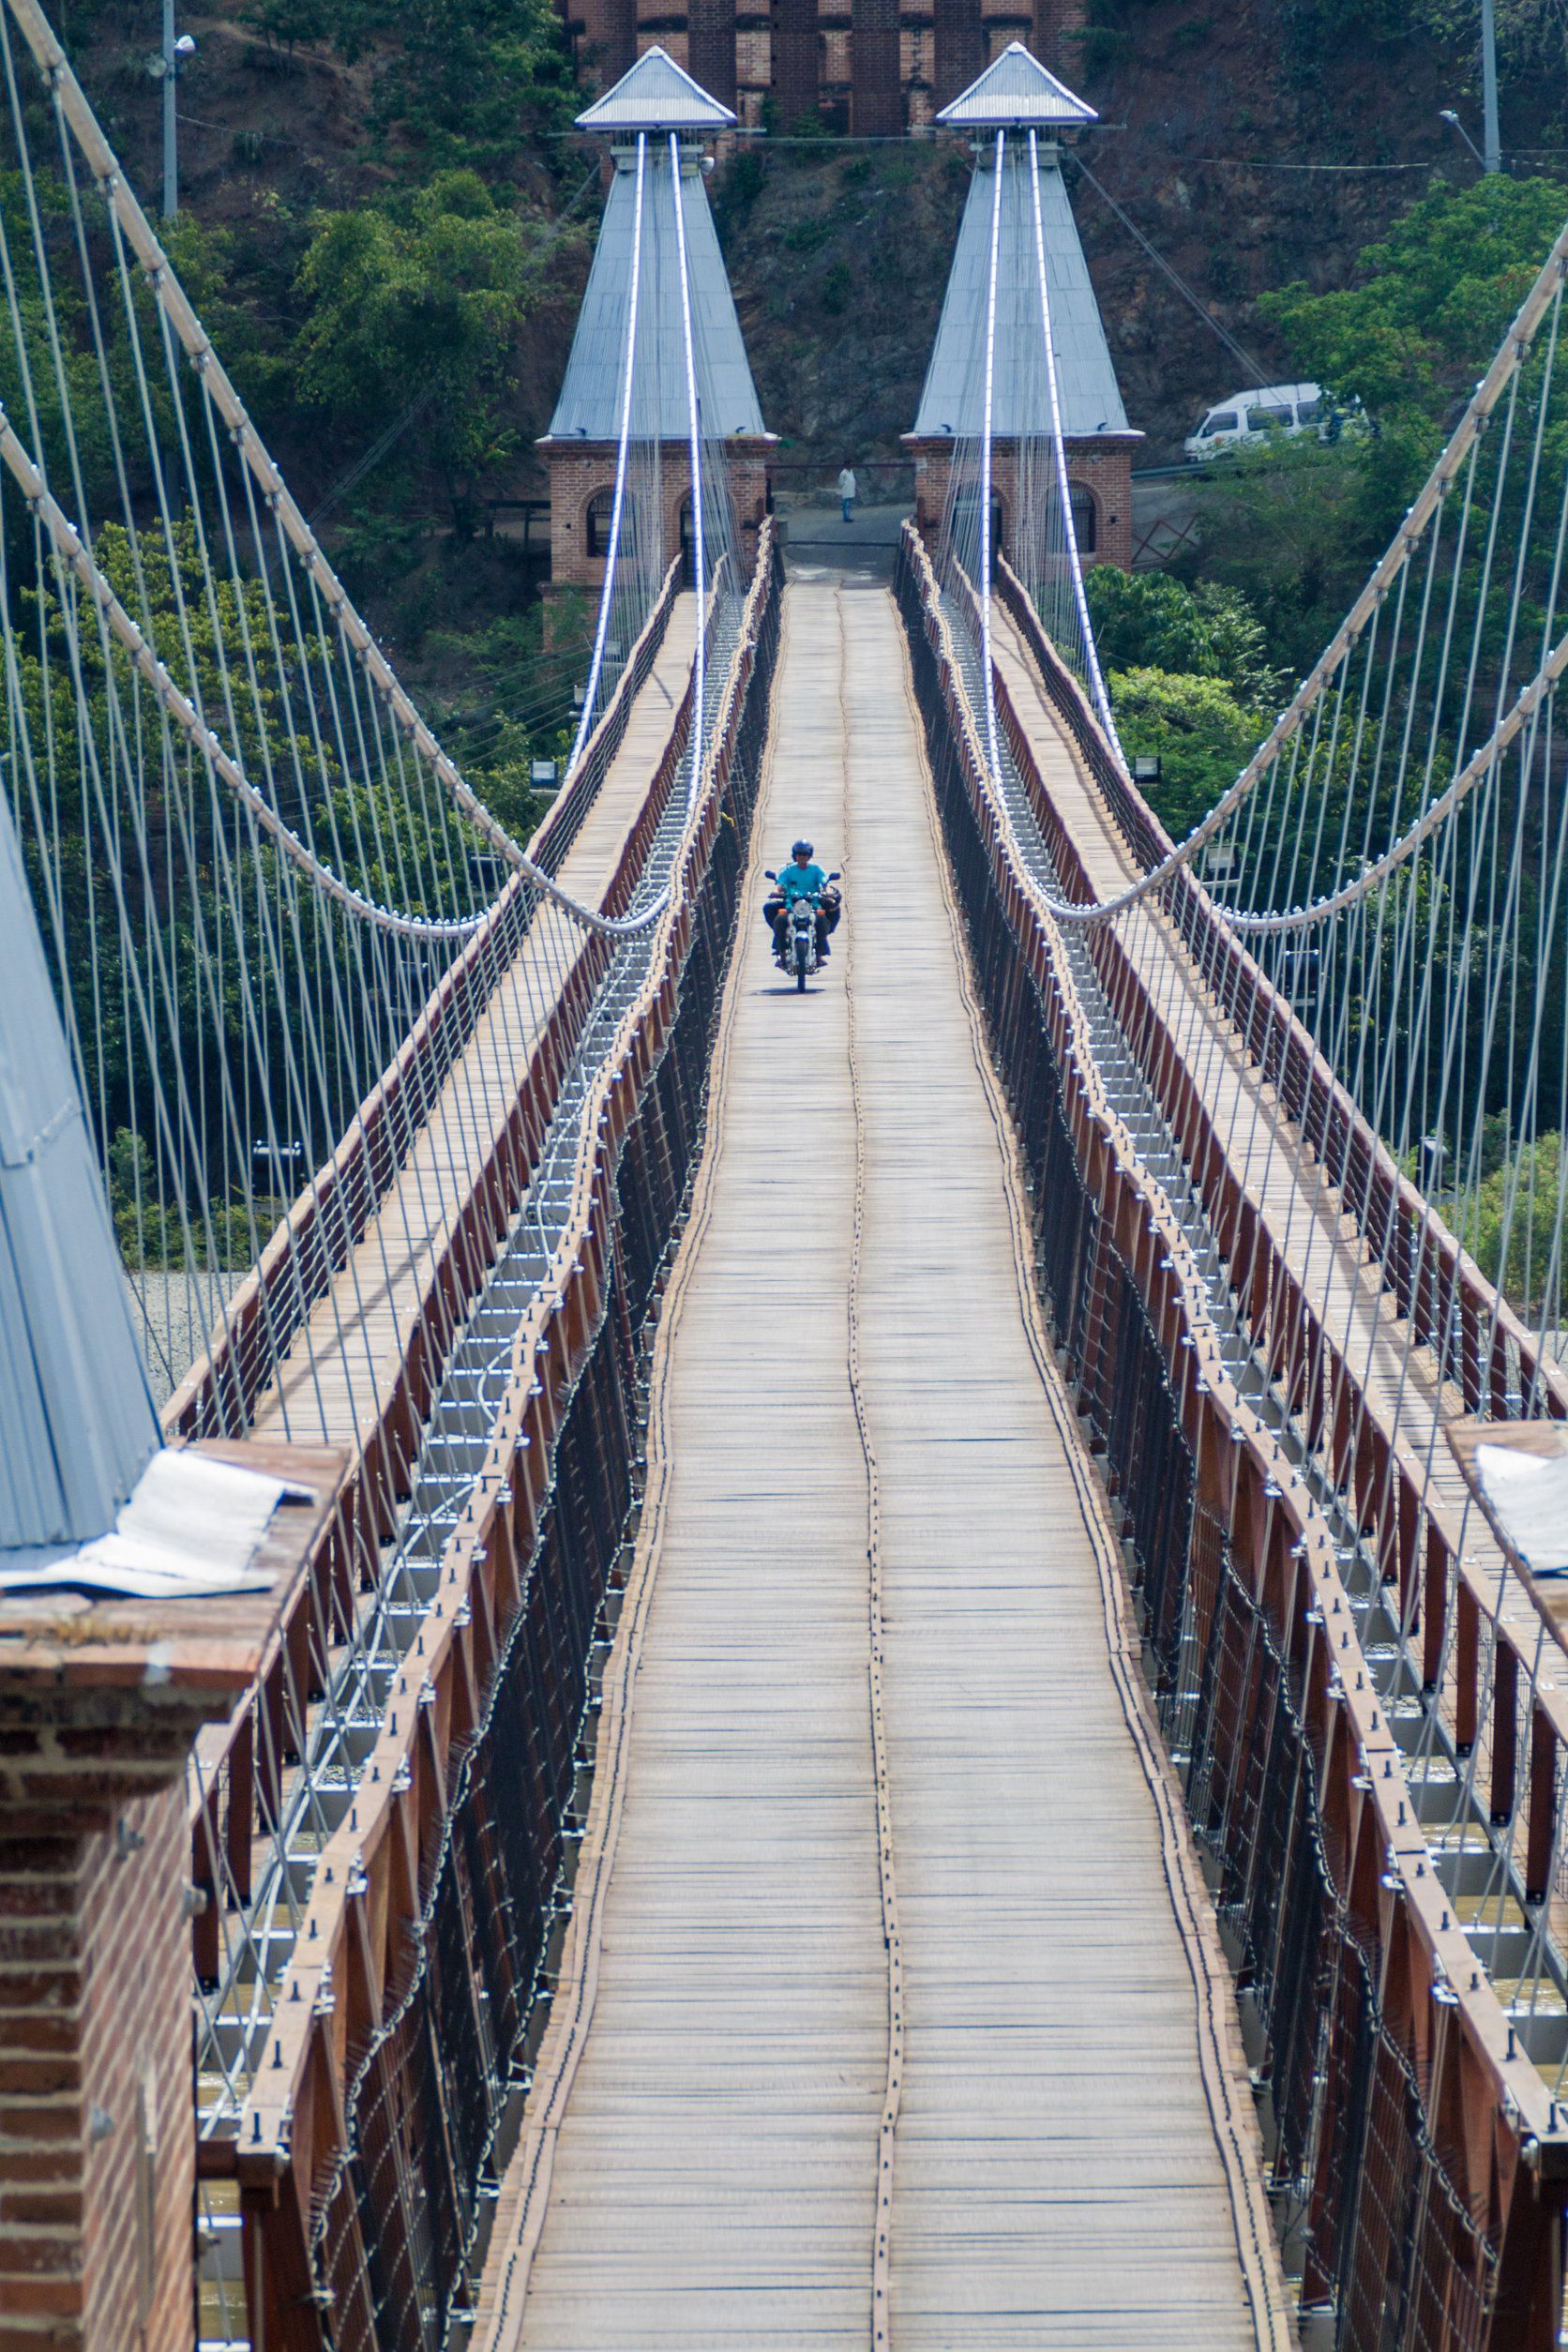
point(847, 491)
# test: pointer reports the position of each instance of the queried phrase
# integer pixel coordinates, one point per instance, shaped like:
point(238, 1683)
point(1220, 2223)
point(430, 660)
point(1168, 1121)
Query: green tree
point(176, 949)
point(419, 306)
point(1432, 299)
point(1201, 734)
point(1151, 619)
point(1522, 1193)
point(468, 84)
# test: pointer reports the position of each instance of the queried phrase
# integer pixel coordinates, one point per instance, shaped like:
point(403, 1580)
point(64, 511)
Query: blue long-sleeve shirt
point(800, 881)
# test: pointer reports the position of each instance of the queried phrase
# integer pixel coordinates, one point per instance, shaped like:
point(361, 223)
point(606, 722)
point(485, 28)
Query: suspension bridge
point(887, 1670)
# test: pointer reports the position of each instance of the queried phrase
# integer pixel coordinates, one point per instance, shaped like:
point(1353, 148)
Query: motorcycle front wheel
point(800, 971)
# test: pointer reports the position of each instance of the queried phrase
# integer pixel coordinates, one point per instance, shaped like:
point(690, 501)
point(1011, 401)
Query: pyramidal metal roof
point(656, 95)
point(953, 400)
point(589, 407)
point(1016, 89)
point(77, 1425)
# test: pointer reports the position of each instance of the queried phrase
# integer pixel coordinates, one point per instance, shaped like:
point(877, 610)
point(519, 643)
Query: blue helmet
point(799, 849)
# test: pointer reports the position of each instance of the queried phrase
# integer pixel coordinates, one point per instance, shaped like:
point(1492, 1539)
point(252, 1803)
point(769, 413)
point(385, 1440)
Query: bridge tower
point(660, 99)
point(1016, 96)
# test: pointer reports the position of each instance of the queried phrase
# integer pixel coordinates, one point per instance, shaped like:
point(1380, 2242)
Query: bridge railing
point(239, 1810)
point(403, 2024)
point(1450, 1303)
point(1416, 2147)
point(1490, 1648)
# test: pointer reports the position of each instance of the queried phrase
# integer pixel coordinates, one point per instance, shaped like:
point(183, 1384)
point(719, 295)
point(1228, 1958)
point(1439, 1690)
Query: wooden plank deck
point(346, 1357)
point(858, 1442)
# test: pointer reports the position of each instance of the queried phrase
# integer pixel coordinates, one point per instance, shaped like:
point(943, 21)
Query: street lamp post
point(1491, 139)
point(1490, 154)
point(173, 55)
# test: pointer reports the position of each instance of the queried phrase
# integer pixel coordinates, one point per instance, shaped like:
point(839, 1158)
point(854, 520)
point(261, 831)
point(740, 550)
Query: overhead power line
point(1239, 350)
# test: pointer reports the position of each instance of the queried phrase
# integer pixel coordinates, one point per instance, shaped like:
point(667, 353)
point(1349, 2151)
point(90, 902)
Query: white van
point(1248, 419)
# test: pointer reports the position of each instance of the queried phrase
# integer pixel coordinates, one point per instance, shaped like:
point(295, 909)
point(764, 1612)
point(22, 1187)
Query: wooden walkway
point(891, 2011)
point(347, 1357)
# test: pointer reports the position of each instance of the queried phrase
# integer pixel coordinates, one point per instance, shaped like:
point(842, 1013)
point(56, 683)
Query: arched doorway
point(966, 527)
point(1086, 517)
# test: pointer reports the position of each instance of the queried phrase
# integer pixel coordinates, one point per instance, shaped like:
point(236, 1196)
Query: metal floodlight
point(1446, 114)
point(542, 772)
point(1146, 768)
point(486, 870)
point(580, 695)
point(185, 45)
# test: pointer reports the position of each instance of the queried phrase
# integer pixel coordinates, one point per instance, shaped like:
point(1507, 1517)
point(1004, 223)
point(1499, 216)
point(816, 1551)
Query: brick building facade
point(583, 484)
point(872, 66)
point(1100, 479)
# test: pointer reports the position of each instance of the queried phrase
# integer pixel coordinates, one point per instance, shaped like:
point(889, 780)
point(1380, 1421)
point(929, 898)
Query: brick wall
point(96, 2126)
point(877, 99)
point(578, 469)
point(879, 63)
point(958, 49)
point(1102, 467)
point(711, 41)
point(1107, 472)
point(1057, 25)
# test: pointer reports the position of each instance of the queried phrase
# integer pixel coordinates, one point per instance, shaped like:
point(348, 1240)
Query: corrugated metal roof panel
point(589, 407)
point(953, 400)
point(77, 1426)
point(1015, 88)
point(656, 95)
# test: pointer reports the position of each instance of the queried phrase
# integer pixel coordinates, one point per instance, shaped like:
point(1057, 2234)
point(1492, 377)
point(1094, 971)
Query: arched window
point(601, 507)
point(1086, 517)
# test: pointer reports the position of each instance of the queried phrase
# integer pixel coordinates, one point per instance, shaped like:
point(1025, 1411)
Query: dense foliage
point(1190, 681)
point(455, 84)
point(416, 306)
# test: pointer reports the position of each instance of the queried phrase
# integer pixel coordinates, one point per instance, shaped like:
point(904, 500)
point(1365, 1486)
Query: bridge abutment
point(583, 484)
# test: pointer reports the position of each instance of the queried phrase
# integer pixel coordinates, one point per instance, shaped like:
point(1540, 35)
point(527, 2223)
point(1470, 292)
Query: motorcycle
point(795, 948)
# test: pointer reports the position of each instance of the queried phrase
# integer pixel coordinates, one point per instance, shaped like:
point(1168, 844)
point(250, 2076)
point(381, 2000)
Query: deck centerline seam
point(886, 1877)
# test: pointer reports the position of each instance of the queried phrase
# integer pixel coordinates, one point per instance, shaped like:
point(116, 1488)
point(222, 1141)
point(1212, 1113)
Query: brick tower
point(1016, 93)
point(579, 450)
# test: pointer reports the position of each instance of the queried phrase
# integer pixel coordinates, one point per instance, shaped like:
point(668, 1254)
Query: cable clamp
point(47, 1134)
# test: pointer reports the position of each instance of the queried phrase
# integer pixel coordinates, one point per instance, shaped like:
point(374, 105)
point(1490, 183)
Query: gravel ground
point(173, 1313)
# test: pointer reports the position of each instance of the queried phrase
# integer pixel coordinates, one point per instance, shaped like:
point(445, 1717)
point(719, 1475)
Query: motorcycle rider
point(801, 879)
